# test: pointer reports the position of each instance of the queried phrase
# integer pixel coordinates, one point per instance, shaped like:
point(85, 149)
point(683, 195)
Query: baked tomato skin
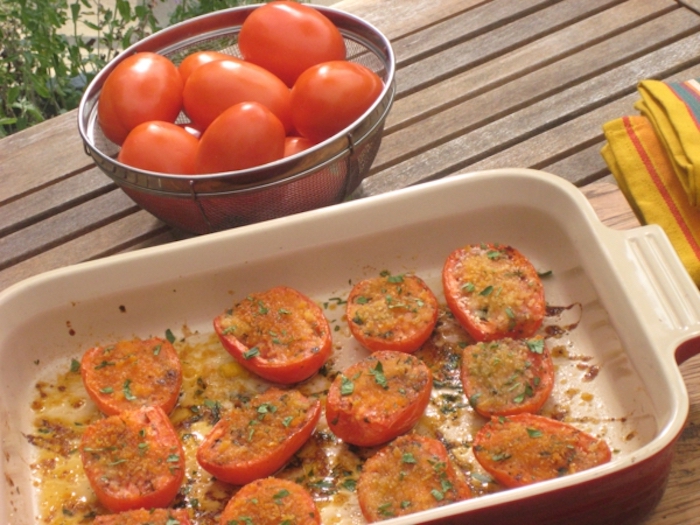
point(507, 376)
point(527, 448)
point(410, 474)
point(258, 439)
point(143, 87)
point(392, 312)
point(378, 398)
point(160, 146)
point(330, 96)
point(133, 460)
point(243, 136)
point(129, 374)
point(494, 291)
point(279, 334)
point(199, 58)
point(216, 86)
point(271, 501)
point(287, 38)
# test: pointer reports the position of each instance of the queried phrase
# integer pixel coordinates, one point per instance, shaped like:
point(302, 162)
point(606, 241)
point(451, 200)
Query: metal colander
point(320, 176)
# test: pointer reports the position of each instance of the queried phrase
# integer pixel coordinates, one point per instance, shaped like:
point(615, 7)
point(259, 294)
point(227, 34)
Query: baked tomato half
point(145, 517)
point(410, 474)
point(287, 38)
point(378, 398)
point(243, 136)
point(392, 312)
point(143, 87)
point(258, 439)
point(526, 448)
point(133, 373)
point(507, 376)
point(159, 146)
point(271, 501)
point(216, 86)
point(329, 97)
point(279, 334)
point(494, 291)
point(133, 460)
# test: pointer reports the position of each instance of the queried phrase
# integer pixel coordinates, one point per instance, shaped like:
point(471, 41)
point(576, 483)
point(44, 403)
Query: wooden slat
point(130, 231)
point(464, 150)
point(530, 56)
point(572, 149)
point(52, 199)
point(396, 19)
point(460, 57)
point(537, 85)
point(461, 27)
point(37, 156)
point(64, 226)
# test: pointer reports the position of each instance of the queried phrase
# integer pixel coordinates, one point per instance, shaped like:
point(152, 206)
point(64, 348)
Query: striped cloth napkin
point(655, 158)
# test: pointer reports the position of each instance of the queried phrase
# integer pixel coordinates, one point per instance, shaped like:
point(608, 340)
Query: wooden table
point(481, 84)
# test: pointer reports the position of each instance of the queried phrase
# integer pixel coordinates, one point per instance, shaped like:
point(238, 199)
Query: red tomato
point(329, 97)
point(160, 146)
point(133, 373)
point(145, 86)
point(526, 448)
point(378, 398)
point(279, 334)
point(494, 291)
point(258, 439)
point(243, 136)
point(287, 38)
point(216, 86)
point(133, 460)
point(271, 501)
point(199, 58)
point(294, 145)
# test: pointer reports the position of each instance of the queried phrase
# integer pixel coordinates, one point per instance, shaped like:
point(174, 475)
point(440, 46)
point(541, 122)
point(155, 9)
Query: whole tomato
point(329, 97)
point(294, 145)
point(243, 136)
point(218, 85)
point(145, 86)
point(159, 146)
point(199, 58)
point(287, 38)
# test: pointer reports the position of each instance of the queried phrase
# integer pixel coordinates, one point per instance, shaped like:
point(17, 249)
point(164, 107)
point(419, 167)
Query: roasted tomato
point(507, 376)
point(494, 292)
point(279, 334)
point(410, 474)
point(133, 460)
point(130, 374)
point(526, 448)
point(392, 312)
point(378, 398)
point(255, 441)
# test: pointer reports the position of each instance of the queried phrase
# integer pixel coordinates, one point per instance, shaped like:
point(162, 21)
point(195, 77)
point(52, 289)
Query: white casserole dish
point(640, 318)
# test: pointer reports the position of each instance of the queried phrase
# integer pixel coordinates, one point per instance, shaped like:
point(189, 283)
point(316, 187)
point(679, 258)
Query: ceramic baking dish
point(639, 318)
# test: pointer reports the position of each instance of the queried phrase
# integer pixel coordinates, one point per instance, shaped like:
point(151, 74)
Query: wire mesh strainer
point(320, 176)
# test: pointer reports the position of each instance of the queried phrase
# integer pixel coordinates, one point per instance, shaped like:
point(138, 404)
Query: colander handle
point(665, 296)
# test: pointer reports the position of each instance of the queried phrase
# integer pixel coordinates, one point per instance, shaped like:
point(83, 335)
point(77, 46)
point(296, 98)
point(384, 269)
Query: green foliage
point(46, 59)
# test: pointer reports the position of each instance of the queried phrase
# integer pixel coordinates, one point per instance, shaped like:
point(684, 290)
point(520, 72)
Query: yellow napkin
point(673, 108)
point(637, 158)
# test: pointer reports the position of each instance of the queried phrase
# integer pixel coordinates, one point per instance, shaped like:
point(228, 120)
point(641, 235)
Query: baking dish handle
point(672, 312)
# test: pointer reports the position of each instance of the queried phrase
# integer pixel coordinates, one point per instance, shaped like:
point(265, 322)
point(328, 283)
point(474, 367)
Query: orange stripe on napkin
point(639, 162)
